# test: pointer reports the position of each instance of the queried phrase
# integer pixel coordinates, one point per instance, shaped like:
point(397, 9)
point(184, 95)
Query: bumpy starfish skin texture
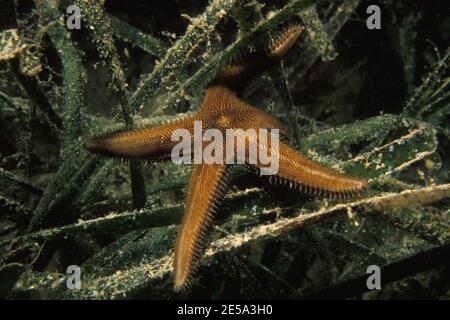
point(222, 109)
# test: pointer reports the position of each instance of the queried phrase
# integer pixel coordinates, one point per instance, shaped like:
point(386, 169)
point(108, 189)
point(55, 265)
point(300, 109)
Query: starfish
point(222, 109)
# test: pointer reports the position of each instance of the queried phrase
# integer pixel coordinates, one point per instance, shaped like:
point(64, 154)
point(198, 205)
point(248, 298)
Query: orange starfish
point(222, 109)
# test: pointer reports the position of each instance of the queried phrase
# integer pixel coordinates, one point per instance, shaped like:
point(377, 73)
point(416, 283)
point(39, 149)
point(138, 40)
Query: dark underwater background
point(372, 103)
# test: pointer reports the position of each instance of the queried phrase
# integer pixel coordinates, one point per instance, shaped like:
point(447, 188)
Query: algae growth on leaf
point(370, 103)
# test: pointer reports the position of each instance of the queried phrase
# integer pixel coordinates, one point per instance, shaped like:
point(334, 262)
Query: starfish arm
point(147, 143)
point(206, 188)
point(234, 76)
point(296, 170)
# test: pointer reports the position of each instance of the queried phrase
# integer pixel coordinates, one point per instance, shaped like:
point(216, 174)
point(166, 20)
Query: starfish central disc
point(222, 109)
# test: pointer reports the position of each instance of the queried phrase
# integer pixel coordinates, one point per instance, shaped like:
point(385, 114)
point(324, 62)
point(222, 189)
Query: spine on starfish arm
point(146, 143)
point(202, 200)
point(233, 76)
point(300, 172)
point(281, 44)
